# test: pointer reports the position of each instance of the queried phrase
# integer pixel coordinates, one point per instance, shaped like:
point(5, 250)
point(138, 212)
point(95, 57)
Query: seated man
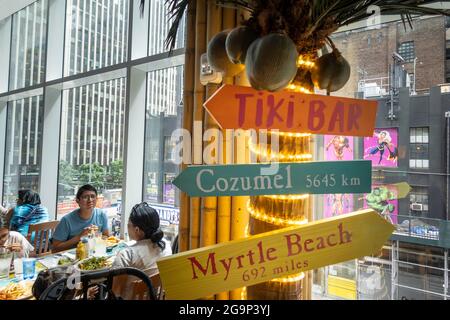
point(14, 241)
point(80, 222)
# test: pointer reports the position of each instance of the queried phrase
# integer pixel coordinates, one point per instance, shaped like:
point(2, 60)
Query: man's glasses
point(89, 197)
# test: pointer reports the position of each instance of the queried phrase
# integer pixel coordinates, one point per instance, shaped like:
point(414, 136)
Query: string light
point(279, 155)
point(290, 134)
point(287, 197)
point(289, 279)
point(298, 88)
point(273, 220)
point(305, 63)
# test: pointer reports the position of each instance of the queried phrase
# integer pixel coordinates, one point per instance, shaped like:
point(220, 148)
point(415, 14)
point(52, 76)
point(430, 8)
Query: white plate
point(87, 271)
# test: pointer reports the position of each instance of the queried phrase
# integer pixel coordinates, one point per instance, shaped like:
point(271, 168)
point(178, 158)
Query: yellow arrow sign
point(201, 272)
point(403, 188)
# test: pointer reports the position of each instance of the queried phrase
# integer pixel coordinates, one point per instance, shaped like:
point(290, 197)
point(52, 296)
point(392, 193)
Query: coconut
point(218, 58)
point(331, 71)
point(237, 43)
point(271, 62)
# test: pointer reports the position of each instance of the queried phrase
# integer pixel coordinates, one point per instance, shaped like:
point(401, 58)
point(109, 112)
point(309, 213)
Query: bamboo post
point(188, 101)
point(209, 204)
point(199, 95)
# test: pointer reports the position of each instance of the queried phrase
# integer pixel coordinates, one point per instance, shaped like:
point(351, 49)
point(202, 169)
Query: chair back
point(39, 235)
point(140, 291)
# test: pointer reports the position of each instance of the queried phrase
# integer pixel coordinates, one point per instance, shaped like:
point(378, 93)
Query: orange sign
point(237, 107)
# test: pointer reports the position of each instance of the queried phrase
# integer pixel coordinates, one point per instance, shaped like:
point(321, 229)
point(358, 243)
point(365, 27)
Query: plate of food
point(94, 264)
point(17, 290)
point(112, 241)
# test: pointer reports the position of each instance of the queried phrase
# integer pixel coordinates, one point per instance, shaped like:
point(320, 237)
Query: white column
point(139, 34)
point(55, 39)
point(5, 48)
point(134, 144)
point(3, 118)
point(50, 143)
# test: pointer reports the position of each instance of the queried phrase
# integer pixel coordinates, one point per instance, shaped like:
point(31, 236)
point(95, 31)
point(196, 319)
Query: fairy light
point(298, 88)
point(288, 197)
point(244, 293)
point(305, 63)
point(290, 134)
point(289, 279)
point(273, 220)
point(279, 155)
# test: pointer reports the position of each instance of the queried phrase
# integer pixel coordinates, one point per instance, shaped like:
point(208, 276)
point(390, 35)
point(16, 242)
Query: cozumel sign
point(238, 263)
point(290, 178)
point(237, 107)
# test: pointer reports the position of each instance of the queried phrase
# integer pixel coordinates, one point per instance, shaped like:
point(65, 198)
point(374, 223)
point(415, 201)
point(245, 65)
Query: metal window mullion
point(113, 35)
point(26, 47)
point(103, 124)
point(86, 119)
point(114, 121)
point(77, 25)
point(446, 274)
point(79, 124)
point(91, 148)
point(97, 129)
point(89, 36)
point(124, 15)
point(16, 61)
point(68, 52)
point(13, 128)
point(95, 36)
point(72, 129)
point(22, 111)
point(30, 106)
point(107, 33)
point(101, 36)
point(109, 122)
point(420, 290)
point(119, 131)
point(41, 42)
point(83, 37)
point(36, 131)
point(33, 43)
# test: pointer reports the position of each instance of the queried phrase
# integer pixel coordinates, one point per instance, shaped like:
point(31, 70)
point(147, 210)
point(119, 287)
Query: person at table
point(80, 222)
point(14, 241)
point(144, 228)
point(28, 211)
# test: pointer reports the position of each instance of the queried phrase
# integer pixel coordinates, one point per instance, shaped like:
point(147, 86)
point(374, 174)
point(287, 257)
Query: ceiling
point(8, 7)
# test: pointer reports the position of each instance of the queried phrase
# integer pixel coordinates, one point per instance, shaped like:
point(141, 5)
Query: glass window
point(96, 34)
point(163, 116)
point(92, 141)
point(406, 50)
point(159, 28)
point(419, 154)
point(23, 147)
point(28, 43)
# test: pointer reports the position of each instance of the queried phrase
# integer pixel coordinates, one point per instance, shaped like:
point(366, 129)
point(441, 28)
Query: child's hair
point(147, 219)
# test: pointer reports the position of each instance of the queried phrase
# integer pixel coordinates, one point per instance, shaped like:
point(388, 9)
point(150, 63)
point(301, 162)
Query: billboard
point(381, 148)
point(383, 199)
point(337, 148)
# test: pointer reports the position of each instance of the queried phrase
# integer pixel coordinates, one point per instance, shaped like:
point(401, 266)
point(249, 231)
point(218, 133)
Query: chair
point(42, 232)
point(140, 289)
point(60, 289)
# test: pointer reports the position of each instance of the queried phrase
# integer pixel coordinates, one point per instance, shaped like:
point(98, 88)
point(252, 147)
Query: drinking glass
point(29, 268)
point(5, 264)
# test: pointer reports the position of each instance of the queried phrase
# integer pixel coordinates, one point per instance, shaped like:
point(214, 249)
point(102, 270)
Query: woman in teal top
point(28, 211)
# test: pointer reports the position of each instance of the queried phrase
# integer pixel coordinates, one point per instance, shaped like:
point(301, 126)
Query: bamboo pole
point(188, 101)
point(209, 204)
point(199, 95)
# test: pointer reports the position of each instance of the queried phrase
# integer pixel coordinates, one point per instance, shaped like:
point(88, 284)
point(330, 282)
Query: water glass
point(18, 267)
point(29, 268)
point(5, 264)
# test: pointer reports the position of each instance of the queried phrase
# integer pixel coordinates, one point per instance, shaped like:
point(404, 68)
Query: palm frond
point(176, 10)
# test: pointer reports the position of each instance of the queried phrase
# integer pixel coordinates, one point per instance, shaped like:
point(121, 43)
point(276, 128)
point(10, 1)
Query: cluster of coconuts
point(270, 61)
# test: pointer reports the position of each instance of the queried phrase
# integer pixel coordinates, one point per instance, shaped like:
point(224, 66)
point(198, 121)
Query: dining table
point(15, 287)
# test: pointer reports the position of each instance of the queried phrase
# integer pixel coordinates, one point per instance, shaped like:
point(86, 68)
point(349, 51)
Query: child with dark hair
point(14, 241)
point(28, 211)
point(144, 228)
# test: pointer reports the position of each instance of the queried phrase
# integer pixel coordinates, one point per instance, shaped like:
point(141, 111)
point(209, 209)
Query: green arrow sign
point(289, 178)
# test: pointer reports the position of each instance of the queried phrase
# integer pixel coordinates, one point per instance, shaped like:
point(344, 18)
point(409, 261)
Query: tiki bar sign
point(237, 107)
point(288, 178)
point(205, 271)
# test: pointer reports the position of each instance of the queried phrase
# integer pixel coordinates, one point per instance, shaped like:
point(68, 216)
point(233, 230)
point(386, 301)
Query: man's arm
point(58, 245)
